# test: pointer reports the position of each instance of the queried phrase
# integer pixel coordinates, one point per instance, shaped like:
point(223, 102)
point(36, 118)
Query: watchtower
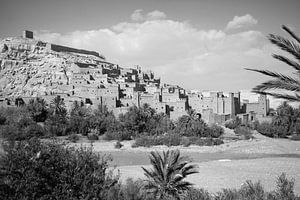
point(28, 34)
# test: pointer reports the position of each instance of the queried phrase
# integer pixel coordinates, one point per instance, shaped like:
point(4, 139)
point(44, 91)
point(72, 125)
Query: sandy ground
point(259, 145)
point(215, 175)
point(225, 166)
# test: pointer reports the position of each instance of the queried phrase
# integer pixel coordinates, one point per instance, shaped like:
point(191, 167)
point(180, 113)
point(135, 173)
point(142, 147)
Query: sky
point(197, 44)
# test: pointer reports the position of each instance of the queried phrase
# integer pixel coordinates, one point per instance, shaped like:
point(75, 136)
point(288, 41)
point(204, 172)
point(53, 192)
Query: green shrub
point(118, 145)
point(23, 129)
point(175, 140)
point(295, 137)
point(118, 135)
point(73, 138)
point(188, 126)
point(147, 141)
point(170, 139)
point(35, 170)
point(206, 141)
point(185, 141)
point(232, 123)
point(215, 131)
point(285, 188)
point(227, 194)
point(93, 136)
point(245, 132)
point(197, 194)
point(130, 190)
point(266, 129)
point(272, 130)
point(253, 125)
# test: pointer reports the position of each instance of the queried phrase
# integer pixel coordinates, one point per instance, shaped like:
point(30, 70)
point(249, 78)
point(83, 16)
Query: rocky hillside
point(29, 67)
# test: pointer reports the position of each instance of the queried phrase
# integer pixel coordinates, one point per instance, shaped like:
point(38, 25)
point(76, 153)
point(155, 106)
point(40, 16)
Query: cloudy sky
point(197, 44)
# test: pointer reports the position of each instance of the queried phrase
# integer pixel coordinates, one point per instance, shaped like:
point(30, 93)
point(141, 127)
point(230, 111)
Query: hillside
point(29, 67)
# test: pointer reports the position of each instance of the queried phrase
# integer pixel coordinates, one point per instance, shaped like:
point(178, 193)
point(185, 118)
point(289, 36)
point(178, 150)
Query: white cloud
point(178, 52)
point(156, 14)
point(241, 22)
point(137, 15)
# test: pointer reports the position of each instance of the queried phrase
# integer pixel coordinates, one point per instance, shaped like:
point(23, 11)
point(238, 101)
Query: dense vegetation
point(31, 169)
point(37, 119)
point(285, 123)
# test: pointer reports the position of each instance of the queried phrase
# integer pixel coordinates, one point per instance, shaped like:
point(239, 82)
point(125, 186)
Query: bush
point(130, 190)
point(35, 170)
point(73, 138)
point(272, 130)
point(232, 123)
point(285, 188)
point(118, 145)
point(197, 194)
point(175, 140)
point(188, 126)
point(206, 141)
point(118, 135)
point(93, 136)
point(245, 132)
point(147, 141)
point(170, 139)
point(23, 129)
point(253, 125)
point(295, 137)
point(215, 131)
point(185, 141)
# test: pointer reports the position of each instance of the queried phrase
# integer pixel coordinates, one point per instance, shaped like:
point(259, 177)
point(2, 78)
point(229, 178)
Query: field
point(225, 166)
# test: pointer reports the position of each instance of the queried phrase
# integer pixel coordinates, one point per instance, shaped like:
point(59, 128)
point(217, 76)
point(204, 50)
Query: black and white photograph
point(149, 100)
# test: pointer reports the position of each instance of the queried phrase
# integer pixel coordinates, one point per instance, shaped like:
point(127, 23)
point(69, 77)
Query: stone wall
point(59, 48)
point(260, 108)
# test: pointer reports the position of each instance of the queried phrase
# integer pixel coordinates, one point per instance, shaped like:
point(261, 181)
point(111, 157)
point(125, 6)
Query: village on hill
point(32, 68)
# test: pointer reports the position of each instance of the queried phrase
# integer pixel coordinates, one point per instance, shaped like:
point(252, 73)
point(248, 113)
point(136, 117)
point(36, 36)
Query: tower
point(263, 105)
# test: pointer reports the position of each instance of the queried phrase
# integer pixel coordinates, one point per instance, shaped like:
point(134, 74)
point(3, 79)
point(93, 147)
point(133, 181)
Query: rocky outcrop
point(29, 67)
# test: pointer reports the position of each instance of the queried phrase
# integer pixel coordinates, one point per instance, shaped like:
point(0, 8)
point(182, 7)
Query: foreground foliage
point(285, 123)
point(32, 169)
point(283, 86)
point(166, 179)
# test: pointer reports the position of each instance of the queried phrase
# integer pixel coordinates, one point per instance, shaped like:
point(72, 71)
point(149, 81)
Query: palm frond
point(275, 75)
point(166, 177)
point(287, 97)
point(287, 29)
point(189, 169)
point(278, 84)
point(286, 45)
point(288, 61)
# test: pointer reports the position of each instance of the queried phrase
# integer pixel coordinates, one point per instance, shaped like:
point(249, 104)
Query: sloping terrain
point(30, 67)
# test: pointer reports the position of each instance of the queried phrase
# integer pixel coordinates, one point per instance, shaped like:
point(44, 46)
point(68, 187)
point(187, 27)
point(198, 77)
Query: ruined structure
point(32, 68)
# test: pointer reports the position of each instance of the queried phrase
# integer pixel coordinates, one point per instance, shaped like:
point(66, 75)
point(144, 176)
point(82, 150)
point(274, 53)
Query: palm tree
point(166, 179)
point(283, 86)
point(58, 105)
